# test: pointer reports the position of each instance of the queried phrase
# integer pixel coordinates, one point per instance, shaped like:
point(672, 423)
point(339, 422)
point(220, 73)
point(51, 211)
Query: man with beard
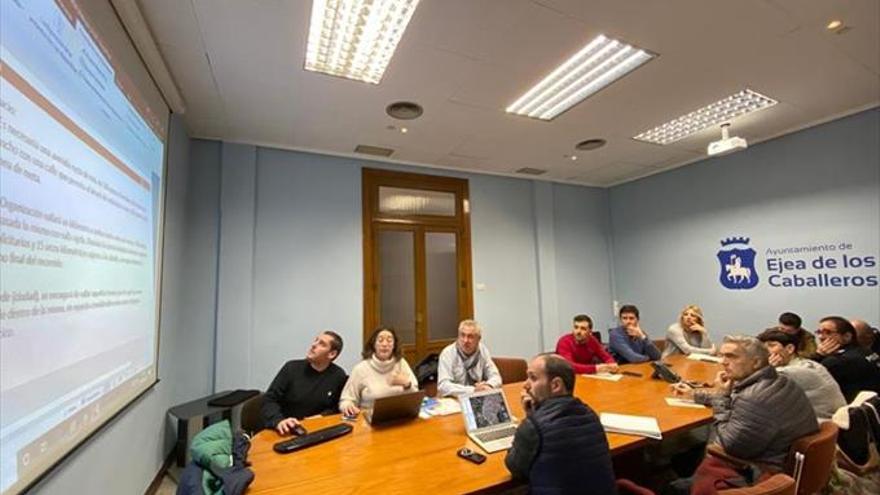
point(560, 447)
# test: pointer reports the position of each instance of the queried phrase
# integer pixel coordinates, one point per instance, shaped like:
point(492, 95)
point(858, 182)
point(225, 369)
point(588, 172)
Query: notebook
point(488, 420)
point(696, 356)
point(395, 407)
point(643, 426)
point(611, 377)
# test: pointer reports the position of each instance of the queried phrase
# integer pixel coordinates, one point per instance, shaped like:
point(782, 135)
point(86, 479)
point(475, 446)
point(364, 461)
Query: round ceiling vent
point(590, 144)
point(404, 110)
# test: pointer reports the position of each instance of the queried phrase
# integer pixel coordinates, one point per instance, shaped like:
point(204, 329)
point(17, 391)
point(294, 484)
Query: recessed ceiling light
point(836, 23)
point(601, 62)
point(404, 110)
point(356, 39)
point(573, 158)
point(590, 144)
point(404, 130)
point(746, 101)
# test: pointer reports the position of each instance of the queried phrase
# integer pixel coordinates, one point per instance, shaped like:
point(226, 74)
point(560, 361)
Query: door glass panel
point(397, 281)
point(401, 201)
point(441, 271)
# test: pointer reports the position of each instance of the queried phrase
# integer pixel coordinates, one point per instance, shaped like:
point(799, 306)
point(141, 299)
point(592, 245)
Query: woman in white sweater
point(382, 372)
point(688, 335)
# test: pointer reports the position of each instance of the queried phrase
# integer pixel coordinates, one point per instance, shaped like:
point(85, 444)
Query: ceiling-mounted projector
point(727, 144)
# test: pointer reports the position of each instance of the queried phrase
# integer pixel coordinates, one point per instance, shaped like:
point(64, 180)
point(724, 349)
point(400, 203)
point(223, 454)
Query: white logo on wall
point(830, 265)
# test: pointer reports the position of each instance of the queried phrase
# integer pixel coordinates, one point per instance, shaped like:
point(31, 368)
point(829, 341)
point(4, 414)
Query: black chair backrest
point(426, 370)
point(252, 414)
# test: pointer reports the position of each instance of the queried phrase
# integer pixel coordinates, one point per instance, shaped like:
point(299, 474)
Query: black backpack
point(426, 370)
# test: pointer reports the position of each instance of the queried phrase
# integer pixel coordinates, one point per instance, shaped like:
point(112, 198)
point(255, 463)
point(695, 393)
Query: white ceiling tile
point(239, 66)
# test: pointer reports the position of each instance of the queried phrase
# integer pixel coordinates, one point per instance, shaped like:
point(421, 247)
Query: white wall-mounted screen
point(81, 192)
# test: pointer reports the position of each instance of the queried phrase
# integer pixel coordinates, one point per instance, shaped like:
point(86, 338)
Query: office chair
point(251, 414)
point(778, 484)
point(627, 487)
point(511, 369)
point(818, 451)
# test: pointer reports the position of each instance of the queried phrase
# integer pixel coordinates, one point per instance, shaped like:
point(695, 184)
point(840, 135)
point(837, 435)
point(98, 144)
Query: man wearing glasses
point(854, 368)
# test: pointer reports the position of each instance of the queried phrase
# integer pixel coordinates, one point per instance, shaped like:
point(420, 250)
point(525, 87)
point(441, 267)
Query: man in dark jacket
point(854, 367)
point(305, 387)
point(758, 414)
point(560, 447)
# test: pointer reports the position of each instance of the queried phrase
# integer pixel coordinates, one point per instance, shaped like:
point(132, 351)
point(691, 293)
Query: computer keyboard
point(496, 434)
point(313, 438)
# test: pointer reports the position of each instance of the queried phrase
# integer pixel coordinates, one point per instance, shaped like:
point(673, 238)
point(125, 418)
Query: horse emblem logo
point(737, 264)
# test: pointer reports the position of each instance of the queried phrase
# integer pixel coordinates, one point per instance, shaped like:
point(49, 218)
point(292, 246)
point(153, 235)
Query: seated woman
point(382, 372)
point(688, 335)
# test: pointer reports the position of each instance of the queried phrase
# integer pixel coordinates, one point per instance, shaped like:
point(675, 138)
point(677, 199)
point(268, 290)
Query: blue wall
point(290, 261)
point(815, 187)
point(263, 249)
point(125, 455)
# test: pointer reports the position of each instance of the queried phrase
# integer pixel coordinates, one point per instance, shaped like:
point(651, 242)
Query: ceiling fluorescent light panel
point(746, 101)
point(356, 39)
point(601, 62)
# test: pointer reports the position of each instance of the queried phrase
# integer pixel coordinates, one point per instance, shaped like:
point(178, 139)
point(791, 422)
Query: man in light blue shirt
point(628, 343)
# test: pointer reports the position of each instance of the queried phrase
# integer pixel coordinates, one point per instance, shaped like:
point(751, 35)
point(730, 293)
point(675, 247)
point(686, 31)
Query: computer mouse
point(299, 430)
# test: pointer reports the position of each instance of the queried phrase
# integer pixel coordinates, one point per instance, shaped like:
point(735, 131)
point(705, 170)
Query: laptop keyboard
point(489, 436)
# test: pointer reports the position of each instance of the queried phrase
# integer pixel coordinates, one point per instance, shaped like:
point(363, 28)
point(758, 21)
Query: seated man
point(628, 343)
point(821, 388)
point(305, 387)
point(790, 323)
point(465, 366)
point(560, 447)
point(854, 368)
point(583, 351)
point(758, 414)
point(867, 336)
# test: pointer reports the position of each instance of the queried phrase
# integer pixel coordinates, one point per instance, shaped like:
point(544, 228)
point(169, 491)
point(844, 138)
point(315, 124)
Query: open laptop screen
point(485, 410)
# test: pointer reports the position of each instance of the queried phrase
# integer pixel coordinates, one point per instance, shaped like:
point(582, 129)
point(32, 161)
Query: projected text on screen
point(80, 208)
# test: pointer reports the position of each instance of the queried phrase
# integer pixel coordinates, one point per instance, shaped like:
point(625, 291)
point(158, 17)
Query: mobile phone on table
point(471, 455)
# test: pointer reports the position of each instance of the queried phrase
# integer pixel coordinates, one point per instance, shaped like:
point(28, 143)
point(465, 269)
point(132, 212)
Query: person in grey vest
point(758, 413)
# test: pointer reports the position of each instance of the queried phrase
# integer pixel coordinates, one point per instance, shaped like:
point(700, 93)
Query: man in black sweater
point(305, 387)
point(854, 368)
point(560, 447)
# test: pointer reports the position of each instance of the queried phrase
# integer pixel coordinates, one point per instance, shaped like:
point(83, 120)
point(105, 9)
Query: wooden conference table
point(421, 455)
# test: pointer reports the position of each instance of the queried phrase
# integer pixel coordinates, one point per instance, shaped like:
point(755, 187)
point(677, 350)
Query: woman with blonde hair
point(688, 335)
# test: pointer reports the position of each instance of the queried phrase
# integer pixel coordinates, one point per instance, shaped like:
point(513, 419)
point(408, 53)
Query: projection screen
point(83, 133)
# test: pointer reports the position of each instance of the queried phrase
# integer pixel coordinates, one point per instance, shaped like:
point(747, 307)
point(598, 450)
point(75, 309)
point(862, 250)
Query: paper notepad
point(643, 426)
point(676, 402)
point(696, 356)
point(611, 377)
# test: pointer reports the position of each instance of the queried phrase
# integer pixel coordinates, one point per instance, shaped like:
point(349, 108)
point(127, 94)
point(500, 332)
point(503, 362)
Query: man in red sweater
point(583, 351)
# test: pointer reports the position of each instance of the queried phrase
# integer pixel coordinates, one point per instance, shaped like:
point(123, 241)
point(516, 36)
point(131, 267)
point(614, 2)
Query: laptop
point(488, 420)
point(395, 407)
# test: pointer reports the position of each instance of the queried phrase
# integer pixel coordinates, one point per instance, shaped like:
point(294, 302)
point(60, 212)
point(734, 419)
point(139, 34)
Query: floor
point(167, 487)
